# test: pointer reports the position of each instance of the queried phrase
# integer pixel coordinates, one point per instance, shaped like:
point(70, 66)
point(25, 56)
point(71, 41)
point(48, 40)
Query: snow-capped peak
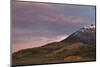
point(88, 28)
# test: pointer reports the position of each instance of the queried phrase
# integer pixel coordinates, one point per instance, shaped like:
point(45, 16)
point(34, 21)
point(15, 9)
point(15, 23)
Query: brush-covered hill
point(79, 46)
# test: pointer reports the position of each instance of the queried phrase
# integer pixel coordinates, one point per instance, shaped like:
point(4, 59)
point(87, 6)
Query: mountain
point(85, 35)
point(79, 46)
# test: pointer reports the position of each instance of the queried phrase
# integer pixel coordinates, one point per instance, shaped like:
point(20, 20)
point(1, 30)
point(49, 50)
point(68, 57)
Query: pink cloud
point(61, 18)
point(31, 5)
point(73, 19)
point(23, 17)
point(52, 17)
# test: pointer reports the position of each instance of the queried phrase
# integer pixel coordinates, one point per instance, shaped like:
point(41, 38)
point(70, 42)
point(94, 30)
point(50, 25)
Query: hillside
point(79, 46)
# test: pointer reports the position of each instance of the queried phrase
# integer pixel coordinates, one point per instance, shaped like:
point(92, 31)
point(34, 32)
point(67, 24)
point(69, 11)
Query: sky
point(35, 24)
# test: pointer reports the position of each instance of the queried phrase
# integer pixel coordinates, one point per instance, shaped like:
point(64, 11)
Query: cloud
point(19, 4)
point(61, 18)
point(27, 12)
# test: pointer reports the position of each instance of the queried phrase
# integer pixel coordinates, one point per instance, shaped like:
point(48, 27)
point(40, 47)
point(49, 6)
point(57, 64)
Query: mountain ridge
point(79, 46)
